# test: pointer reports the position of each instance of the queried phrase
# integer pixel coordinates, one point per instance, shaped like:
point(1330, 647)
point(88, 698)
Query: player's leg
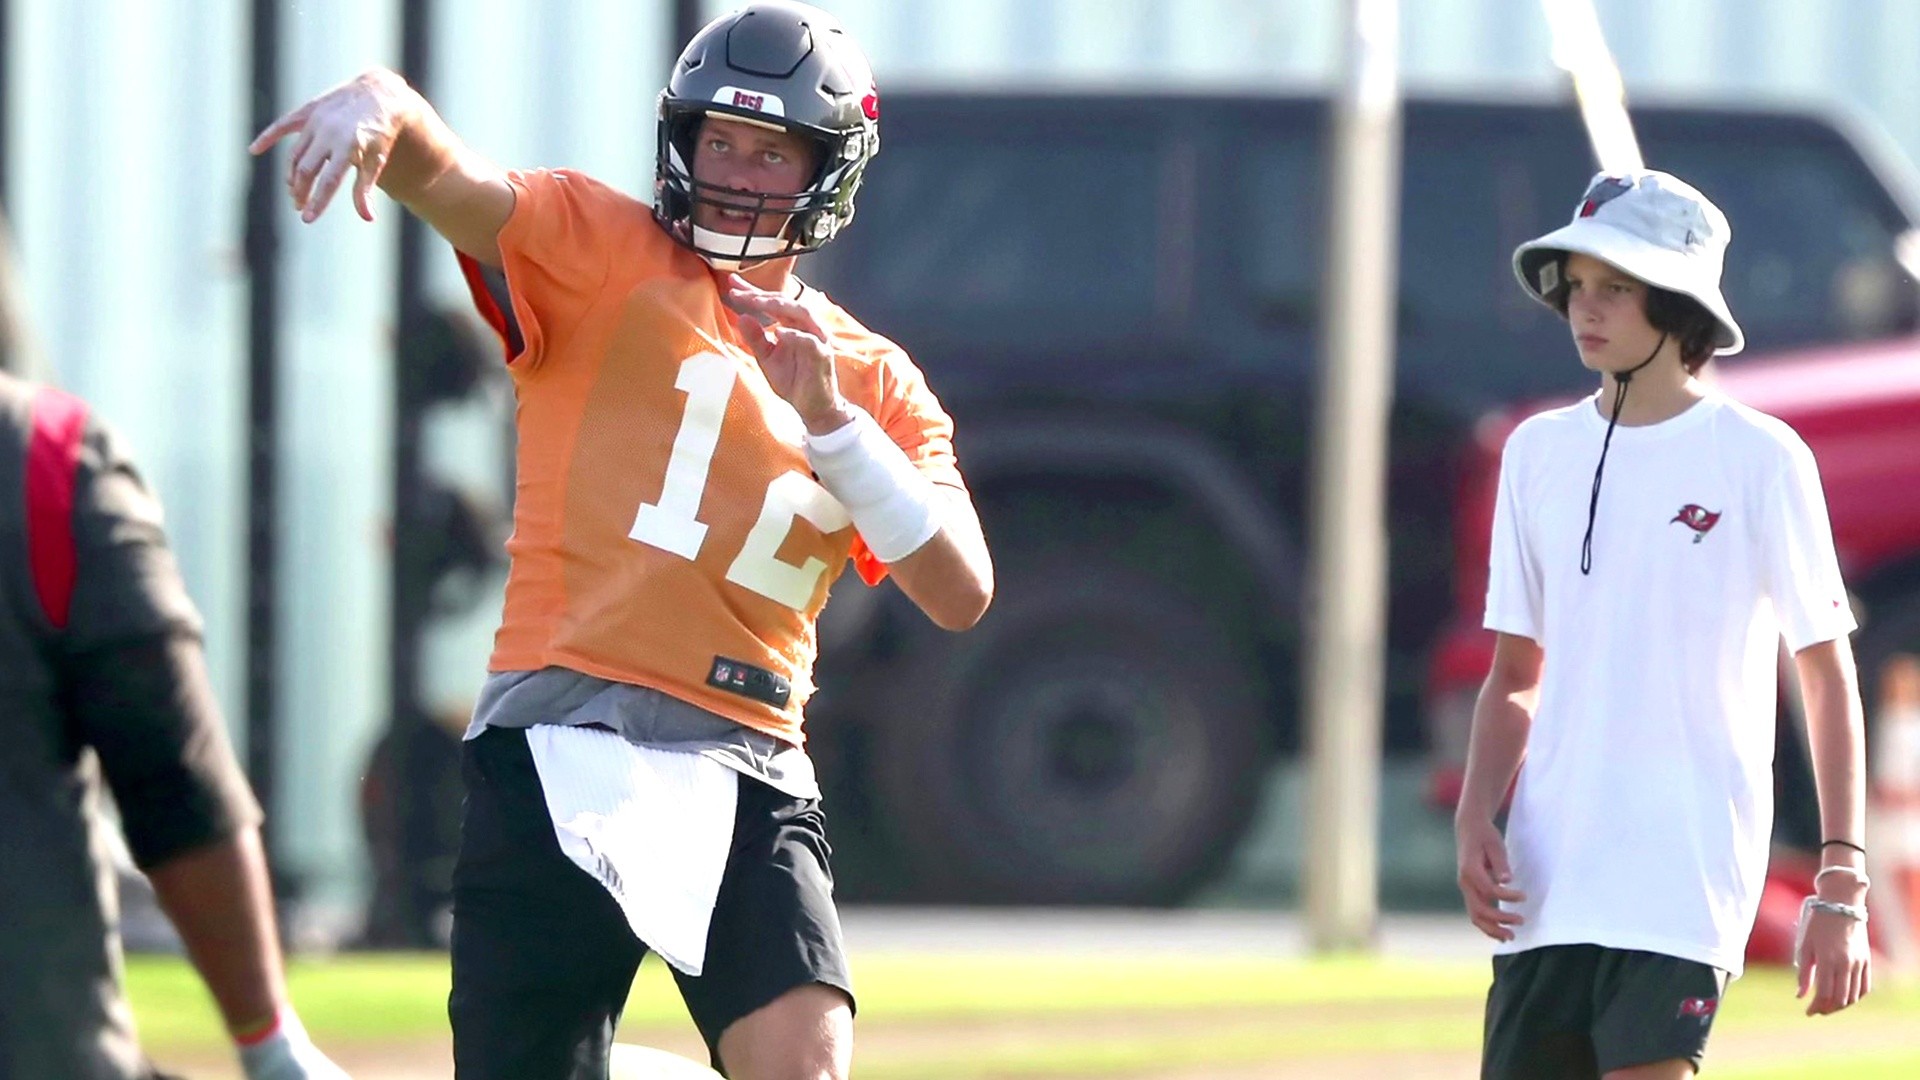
point(1652, 1014)
point(804, 1034)
point(1671, 1069)
point(1539, 1011)
point(543, 959)
point(774, 1000)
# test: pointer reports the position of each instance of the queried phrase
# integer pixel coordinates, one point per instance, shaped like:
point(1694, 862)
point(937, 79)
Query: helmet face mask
point(778, 65)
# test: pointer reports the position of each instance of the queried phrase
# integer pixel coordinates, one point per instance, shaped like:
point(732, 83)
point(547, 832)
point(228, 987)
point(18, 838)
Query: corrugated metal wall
point(127, 173)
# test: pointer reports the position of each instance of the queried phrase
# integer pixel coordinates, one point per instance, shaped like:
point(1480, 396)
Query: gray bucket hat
point(1650, 225)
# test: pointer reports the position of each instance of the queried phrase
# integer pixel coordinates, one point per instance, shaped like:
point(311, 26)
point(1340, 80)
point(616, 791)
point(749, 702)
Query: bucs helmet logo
point(1698, 518)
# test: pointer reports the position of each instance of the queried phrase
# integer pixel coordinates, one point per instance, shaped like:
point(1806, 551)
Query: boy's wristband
point(1856, 875)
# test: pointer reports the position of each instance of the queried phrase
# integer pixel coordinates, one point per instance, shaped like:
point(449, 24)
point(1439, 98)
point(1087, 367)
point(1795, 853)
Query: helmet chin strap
point(1624, 378)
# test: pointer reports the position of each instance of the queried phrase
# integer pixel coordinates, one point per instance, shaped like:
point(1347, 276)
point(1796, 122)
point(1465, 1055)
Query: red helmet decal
point(870, 104)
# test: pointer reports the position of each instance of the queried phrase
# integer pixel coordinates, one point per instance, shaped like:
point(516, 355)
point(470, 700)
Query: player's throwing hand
point(352, 126)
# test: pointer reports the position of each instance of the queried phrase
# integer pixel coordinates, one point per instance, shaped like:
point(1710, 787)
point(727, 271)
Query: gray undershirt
point(644, 717)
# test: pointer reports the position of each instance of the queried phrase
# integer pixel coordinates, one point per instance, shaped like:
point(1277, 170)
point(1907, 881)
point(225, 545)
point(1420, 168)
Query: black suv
point(1117, 298)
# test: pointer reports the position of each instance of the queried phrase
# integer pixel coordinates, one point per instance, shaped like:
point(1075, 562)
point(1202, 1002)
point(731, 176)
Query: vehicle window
point(1276, 210)
point(1472, 189)
point(1812, 258)
point(1028, 238)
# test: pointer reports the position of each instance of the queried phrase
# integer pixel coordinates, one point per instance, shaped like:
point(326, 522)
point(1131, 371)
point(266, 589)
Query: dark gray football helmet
point(782, 64)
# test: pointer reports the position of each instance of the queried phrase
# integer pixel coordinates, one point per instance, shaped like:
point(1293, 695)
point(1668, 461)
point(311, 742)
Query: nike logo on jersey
point(1698, 518)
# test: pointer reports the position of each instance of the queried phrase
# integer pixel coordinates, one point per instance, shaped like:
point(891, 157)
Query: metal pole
point(263, 388)
point(407, 613)
point(1347, 643)
point(1580, 49)
point(6, 102)
point(687, 21)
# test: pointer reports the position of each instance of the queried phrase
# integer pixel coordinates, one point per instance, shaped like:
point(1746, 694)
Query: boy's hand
point(1485, 879)
point(1833, 960)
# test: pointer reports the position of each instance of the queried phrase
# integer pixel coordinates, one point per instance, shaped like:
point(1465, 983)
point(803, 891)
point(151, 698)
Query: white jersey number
point(672, 524)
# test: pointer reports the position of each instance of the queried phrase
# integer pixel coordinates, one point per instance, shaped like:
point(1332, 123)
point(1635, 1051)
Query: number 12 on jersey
point(671, 525)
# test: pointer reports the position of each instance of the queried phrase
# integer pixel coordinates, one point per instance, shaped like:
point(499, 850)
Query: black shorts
point(1575, 1011)
point(543, 958)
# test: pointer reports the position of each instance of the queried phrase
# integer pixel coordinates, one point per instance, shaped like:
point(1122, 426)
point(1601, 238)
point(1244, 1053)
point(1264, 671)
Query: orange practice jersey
point(666, 524)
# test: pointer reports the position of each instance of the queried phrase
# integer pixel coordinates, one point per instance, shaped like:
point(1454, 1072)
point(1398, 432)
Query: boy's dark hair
point(1678, 315)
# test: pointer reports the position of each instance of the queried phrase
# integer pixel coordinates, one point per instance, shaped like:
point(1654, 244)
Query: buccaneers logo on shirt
point(1698, 518)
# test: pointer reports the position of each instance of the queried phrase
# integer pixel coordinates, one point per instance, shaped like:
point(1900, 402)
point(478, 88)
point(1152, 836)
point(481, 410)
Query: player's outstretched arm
point(1502, 719)
point(380, 128)
point(1834, 961)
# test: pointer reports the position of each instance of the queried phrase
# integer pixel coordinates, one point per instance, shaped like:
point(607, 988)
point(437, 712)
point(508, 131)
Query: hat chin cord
point(1624, 378)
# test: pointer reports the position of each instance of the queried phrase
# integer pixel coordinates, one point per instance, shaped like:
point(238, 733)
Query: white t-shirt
point(1645, 802)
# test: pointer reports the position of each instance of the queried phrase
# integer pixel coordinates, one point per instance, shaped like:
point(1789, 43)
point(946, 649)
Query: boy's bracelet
point(1844, 844)
point(1811, 904)
point(1856, 912)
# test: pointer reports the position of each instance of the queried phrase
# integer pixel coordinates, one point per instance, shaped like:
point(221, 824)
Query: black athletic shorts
point(1580, 1011)
point(543, 957)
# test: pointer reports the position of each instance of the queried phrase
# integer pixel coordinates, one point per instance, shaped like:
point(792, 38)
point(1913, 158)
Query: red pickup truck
point(1858, 408)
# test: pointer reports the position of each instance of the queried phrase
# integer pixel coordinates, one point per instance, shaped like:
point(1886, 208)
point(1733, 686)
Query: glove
point(286, 1053)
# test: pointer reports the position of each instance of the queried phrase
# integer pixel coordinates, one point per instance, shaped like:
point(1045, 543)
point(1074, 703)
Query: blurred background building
point(125, 176)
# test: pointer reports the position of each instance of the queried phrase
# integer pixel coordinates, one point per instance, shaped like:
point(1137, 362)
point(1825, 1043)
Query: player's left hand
point(1834, 962)
point(794, 351)
point(288, 1054)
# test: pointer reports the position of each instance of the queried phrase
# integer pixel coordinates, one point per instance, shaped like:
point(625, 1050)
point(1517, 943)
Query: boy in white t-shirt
point(1649, 552)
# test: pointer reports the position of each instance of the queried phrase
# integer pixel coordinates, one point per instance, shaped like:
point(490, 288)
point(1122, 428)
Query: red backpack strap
point(53, 459)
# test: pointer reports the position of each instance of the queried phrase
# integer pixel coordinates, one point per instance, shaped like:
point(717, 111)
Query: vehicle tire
point(1097, 739)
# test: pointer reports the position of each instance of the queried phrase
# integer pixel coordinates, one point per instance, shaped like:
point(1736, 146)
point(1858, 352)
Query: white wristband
point(893, 504)
point(1848, 870)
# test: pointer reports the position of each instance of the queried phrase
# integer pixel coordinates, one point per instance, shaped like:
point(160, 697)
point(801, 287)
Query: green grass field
point(940, 1017)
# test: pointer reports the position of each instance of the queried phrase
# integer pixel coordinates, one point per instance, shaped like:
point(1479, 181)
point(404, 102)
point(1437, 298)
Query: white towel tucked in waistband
point(652, 826)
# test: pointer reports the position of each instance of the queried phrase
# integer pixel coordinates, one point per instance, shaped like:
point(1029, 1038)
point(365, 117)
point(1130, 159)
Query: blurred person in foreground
point(1652, 543)
point(704, 443)
point(102, 675)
